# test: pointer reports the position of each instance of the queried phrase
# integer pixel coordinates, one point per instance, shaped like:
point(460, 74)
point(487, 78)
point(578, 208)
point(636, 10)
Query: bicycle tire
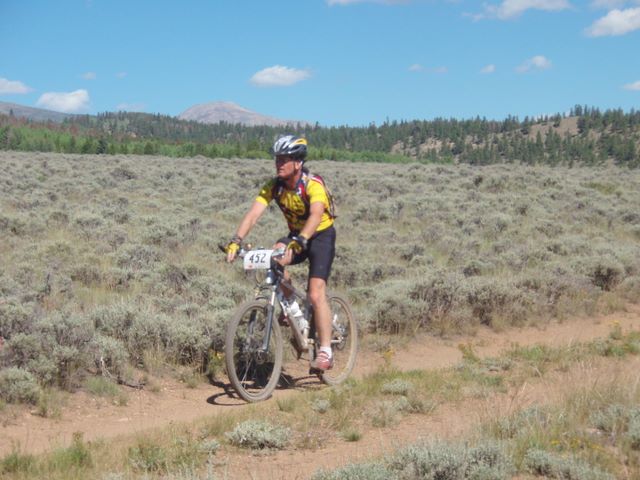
point(253, 373)
point(344, 327)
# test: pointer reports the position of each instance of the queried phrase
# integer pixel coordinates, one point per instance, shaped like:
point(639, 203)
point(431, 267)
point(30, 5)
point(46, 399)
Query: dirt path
point(97, 418)
point(449, 422)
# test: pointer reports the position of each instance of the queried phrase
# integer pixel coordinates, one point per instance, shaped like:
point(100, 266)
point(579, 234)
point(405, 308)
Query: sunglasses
point(284, 159)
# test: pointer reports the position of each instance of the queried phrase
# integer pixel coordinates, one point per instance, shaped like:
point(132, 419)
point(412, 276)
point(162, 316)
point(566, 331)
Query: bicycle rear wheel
point(253, 363)
point(344, 341)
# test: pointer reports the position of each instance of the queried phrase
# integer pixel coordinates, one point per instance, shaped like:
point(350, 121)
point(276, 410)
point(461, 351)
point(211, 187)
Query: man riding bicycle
point(305, 203)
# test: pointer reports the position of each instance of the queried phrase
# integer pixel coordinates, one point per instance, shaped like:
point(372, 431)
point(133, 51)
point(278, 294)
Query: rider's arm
point(247, 223)
point(250, 219)
point(316, 210)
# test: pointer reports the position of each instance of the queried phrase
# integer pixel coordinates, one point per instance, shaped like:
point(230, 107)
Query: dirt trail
point(96, 418)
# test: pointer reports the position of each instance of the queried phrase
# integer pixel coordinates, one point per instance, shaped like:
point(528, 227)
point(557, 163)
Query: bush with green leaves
point(18, 386)
point(548, 465)
point(258, 435)
point(618, 420)
point(397, 386)
point(452, 462)
point(128, 247)
point(366, 471)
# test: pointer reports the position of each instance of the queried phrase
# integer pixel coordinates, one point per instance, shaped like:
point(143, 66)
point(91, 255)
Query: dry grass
point(543, 408)
point(122, 252)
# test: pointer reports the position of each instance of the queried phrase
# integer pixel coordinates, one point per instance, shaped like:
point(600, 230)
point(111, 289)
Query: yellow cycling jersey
point(292, 203)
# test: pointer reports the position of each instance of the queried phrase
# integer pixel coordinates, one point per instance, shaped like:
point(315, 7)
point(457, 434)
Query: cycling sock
point(327, 350)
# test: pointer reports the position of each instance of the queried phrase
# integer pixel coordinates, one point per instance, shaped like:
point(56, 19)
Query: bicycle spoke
point(253, 365)
point(344, 341)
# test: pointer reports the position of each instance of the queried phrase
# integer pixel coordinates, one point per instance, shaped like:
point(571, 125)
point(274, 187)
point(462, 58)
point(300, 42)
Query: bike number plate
point(257, 260)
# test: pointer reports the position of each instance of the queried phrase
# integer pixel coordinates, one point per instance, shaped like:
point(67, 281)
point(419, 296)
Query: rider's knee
point(317, 295)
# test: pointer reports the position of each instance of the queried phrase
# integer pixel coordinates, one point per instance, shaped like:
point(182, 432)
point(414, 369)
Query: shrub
point(109, 355)
point(22, 348)
point(633, 431)
point(77, 455)
point(397, 386)
point(321, 405)
point(148, 456)
point(611, 420)
point(18, 386)
point(522, 422)
point(368, 471)
point(393, 311)
point(385, 414)
point(439, 293)
point(14, 318)
point(256, 434)
point(138, 257)
point(114, 320)
point(540, 462)
point(17, 462)
point(440, 461)
point(210, 447)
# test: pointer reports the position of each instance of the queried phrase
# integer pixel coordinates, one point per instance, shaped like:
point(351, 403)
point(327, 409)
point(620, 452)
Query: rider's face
point(286, 166)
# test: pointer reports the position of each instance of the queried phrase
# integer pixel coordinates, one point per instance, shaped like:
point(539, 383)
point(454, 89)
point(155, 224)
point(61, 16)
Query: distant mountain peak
point(222, 111)
point(31, 113)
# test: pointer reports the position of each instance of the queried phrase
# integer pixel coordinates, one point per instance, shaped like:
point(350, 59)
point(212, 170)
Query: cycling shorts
point(321, 250)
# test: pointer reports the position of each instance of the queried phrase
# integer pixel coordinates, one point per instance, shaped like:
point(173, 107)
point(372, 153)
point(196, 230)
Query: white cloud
point(633, 86)
point(416, 67)
point(607, 4)
point(67, 102)
point(350, 2)
point(131, 107)
point(539, 62)
point(89, 75)
point(611, 4)
point(513, 8)
point(488, 68)
point(121, 74)
point(616, 22)
point(13, 87)
point(279, 76)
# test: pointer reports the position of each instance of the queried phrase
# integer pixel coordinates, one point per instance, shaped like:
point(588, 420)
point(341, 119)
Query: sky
point(335, 62)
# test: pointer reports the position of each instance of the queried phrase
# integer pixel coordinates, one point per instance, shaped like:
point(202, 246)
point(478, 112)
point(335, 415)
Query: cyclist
point(305, 203)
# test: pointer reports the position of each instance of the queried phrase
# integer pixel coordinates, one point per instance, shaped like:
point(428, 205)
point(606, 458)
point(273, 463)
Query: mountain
point(216, 112)
point(30, 113)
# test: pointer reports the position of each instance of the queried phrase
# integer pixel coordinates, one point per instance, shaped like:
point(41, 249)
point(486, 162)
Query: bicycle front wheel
point(344, 341)
point(253, 352)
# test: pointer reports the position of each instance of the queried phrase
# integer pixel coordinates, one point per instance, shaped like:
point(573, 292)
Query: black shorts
point(321, 250)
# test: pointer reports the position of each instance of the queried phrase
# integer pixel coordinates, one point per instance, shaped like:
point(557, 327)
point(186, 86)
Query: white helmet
point(291, 145)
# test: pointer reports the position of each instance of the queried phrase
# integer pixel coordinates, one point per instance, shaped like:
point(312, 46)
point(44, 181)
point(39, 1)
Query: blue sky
point(336, 62)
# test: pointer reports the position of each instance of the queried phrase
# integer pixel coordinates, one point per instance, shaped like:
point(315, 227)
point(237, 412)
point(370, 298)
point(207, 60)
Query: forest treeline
point(585, 136)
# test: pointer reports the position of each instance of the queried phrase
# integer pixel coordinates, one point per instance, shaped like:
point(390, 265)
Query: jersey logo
point(301, 191)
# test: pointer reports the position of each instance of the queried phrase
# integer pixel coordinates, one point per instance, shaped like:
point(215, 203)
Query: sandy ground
point(96, 418)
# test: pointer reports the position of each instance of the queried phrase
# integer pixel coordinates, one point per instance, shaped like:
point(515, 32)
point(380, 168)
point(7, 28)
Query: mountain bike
point(255, 356)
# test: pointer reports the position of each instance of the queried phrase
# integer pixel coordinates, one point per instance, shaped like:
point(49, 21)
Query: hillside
point(586, 136)
point(216, 112)
point(30, 113)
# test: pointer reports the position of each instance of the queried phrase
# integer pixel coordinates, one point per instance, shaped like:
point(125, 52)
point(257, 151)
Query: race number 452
point(257, 259)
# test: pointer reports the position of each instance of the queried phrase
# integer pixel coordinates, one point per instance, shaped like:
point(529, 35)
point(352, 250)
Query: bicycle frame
point(273, 284)
point(254, 344)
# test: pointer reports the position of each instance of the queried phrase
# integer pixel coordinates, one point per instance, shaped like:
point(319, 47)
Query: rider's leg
point(283, 286)
point(287, 292)
point(321, 312)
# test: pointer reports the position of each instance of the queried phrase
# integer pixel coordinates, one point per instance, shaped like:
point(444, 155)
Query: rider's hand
point(298, 244)
point(232, 248)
